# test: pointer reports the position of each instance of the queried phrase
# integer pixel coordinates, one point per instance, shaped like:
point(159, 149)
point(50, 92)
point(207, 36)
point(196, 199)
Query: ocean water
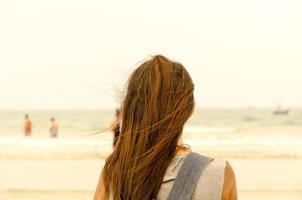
point(83, 134)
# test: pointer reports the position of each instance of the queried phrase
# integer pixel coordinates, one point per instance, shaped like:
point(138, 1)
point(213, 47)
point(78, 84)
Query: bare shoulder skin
point(229, 186)
point(100, 190)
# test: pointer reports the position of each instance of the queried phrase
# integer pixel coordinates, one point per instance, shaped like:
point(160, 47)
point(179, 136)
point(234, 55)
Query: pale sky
point(71, 53)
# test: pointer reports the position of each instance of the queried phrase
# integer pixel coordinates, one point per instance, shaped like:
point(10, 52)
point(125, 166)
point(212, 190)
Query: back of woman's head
point(158, 102)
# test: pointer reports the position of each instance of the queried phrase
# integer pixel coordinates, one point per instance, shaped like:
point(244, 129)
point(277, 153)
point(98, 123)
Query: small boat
point(281, 111)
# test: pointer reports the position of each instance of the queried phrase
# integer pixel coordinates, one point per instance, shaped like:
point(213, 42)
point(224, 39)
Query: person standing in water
point(54, 128)
point(115, 127)
point(150, 160)
point(27, 126)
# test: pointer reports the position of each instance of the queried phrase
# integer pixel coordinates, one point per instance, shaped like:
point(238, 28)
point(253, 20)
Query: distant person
point(54, 128)
point(115, 127)
point(151, 161)
point(27, 126)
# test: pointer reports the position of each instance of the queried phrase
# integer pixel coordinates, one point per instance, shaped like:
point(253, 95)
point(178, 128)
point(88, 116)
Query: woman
point(150, 160)
point(54, 128)
point(27, 126)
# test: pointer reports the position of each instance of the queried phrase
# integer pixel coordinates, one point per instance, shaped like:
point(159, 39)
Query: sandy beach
point(77, 179)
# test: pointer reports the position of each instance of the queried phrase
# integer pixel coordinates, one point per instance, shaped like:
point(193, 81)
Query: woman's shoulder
point(214, 170)
point(210, 184)
point(216, 182)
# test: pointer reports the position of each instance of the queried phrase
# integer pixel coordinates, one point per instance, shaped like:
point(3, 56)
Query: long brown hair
point(158, 102)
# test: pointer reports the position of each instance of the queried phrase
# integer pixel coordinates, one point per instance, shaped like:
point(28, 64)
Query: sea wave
point(101, 146)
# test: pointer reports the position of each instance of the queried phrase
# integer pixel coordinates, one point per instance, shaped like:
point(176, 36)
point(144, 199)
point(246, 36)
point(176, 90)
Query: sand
point(265, 179)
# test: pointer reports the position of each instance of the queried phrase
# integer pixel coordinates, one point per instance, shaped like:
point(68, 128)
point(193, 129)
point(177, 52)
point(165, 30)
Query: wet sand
point(266, 179)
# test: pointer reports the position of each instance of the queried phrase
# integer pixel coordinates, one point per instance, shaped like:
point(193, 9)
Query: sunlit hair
point(158, 102)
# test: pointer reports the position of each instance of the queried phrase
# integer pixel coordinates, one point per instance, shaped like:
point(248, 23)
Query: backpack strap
point(188, 176)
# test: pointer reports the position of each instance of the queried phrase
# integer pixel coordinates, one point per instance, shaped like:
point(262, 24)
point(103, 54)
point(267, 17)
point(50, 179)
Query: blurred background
point(70, 60)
